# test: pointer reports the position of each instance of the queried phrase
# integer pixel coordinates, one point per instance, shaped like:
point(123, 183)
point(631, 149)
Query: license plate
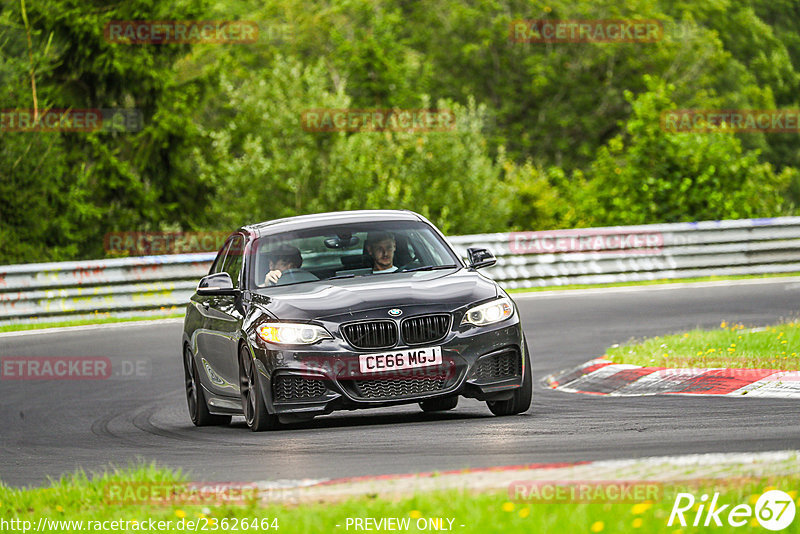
point(400, 359)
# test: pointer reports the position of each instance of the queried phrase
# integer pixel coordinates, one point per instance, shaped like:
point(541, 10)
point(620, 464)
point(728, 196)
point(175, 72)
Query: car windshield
point(377, 248)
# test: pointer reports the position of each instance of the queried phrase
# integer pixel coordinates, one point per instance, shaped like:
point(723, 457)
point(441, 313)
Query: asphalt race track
point(55, 426)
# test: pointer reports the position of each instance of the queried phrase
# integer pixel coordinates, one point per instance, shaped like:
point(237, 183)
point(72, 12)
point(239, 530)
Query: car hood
point(350, 297)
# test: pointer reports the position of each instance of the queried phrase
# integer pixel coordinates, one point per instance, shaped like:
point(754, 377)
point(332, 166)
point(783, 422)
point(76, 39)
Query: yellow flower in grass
point(637, 522)
point(525, 512)
point(598, 526)
point(641, 507)
point(59, 508)
point(508, 506)
point(180, 514)
point(415, 514)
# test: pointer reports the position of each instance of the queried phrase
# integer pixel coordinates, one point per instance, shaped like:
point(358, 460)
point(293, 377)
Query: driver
point(285, 259)
point(381, 246)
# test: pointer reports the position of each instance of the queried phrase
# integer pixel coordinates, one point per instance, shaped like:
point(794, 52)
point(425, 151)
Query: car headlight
point(489, 313)
point(292, 334)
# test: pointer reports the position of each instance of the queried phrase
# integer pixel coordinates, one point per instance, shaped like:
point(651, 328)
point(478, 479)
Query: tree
point(649, 175)
point(84, 184)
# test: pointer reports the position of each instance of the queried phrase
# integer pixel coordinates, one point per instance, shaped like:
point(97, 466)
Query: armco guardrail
point(134, 286)
point(646, 252)
point(35, 292)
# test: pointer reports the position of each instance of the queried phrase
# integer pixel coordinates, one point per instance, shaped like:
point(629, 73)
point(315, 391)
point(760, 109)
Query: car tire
point(439, 405)
point(255, 411)
point(521, 400)
point(195, 399)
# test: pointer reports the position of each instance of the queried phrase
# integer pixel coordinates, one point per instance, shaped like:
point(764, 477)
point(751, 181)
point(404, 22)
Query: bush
point(649, 175)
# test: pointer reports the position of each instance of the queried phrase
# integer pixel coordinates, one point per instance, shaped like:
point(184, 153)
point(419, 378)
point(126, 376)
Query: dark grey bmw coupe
point(302, 316)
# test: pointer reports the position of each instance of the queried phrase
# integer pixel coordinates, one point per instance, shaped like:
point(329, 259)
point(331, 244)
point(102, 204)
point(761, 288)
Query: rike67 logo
point(774, 510)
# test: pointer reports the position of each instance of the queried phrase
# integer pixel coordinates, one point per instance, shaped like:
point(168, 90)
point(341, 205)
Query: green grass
point(78, 497)
point(652, 282)
point(734, 346)
point(82, 322)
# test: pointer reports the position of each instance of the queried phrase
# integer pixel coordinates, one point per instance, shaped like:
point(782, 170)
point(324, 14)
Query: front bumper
point(486, 363)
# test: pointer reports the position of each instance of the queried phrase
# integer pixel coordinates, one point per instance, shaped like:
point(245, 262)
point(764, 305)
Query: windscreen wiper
point(430, 268)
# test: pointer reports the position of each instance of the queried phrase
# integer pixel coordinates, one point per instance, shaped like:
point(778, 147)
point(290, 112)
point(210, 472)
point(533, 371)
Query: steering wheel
point(416, 262)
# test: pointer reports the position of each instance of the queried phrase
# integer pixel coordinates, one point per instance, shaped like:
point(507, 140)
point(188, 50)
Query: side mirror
point(216, 284)
point(480, 257)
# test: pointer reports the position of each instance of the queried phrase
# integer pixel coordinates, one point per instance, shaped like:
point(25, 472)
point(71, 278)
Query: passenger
point(286, 260)
point(381, 246)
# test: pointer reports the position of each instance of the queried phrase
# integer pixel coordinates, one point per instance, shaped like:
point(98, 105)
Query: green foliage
point(260, 150)
point(549, 135)
point(446, 176)
point(760, 40)
point(261, 160)
point(63, 191)
point(536, 203)
point(649, 175)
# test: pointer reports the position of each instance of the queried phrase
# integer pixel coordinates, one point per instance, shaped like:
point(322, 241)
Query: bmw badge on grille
point(395, 312)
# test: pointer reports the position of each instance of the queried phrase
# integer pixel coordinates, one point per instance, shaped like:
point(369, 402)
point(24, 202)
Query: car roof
point(303, 222)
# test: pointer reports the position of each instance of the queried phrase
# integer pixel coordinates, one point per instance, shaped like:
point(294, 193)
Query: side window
point(219, 261)
point(421, 244)
point(233, 259)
